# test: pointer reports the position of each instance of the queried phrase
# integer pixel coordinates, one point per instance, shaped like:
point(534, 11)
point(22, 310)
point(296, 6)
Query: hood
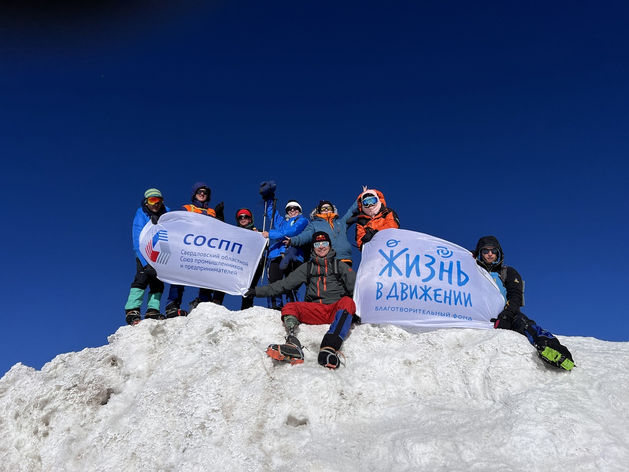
point(315, 211)
point(488, 241)
point(372, 211)
point(196, 202)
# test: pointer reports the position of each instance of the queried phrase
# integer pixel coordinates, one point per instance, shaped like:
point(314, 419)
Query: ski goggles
point(487, 250)
point(369, 201)
point(321, 244)
point(201, 191)
point(293, 208)
point(244, 216)
point(326, 208)
point(154, 200)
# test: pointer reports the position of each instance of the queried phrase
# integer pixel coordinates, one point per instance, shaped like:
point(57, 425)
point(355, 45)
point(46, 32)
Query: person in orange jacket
point(373, 216)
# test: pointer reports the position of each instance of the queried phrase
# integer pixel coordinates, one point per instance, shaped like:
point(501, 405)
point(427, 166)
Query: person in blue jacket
point(287, 224)
point(151, 208)
point(325, 218)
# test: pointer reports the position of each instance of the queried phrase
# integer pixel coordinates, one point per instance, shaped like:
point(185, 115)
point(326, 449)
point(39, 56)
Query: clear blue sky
point(502, 118)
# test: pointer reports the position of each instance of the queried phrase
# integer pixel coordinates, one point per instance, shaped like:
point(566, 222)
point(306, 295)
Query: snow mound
point(199, 393)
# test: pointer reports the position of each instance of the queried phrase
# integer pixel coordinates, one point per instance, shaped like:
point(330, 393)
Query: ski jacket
point(382, 218)
point(336, 227)
point(283, 226)
point(506, 277)
point(198, 206)
point(142, 216)
point(324, 284)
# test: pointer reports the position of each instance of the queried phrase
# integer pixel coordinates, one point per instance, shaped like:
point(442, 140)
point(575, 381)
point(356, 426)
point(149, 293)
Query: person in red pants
point(329, 288)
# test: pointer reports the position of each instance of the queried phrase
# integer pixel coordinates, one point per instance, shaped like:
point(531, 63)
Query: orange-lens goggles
point(153, 200)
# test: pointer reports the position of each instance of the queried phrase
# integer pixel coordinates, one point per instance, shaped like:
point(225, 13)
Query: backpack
point(503, 276)
point(335, 273)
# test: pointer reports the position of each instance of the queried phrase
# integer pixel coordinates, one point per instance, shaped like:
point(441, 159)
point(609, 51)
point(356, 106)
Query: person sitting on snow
point(329, 288)
point(490, 256)
point(373, 216)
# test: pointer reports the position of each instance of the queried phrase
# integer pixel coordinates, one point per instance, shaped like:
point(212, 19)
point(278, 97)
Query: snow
point(199, 393)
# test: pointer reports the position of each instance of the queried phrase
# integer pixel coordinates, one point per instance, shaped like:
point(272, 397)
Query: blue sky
point(502, 118)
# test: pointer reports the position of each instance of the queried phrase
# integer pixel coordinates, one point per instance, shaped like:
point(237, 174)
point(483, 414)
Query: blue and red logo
point(157, 248)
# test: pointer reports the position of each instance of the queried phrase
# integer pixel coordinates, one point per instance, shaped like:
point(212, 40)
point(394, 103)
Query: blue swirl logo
point(392, 243)
point(444, 252)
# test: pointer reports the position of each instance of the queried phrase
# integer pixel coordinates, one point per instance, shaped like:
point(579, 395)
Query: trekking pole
point(266, 250)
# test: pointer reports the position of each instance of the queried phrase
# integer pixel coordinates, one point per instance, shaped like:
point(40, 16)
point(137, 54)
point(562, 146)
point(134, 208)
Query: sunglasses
point(153, 200)
point(369, 201)
point(293, 208)
point(486, 250)
point(321, 244)
point(202, 192)
point(244, 217)
point(326, 208)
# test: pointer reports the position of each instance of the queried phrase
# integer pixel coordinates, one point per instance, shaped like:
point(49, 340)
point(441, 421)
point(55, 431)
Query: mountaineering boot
point(194, 303)
point(551, 351)
point(329, 352)
point(153, 314)
point(291, 352)
point(133, 316)
point(173, 311)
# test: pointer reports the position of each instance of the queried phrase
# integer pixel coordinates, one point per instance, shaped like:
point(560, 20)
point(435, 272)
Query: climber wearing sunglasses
point(373, 216)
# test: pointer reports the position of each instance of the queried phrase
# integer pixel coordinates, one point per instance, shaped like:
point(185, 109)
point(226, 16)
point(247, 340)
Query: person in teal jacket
point(151, 208)
point(325, 218)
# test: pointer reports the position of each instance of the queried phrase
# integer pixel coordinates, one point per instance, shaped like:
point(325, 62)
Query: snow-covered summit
point(199, 393)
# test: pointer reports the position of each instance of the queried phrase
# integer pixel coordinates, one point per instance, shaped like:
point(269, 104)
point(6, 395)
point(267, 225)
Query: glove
point(504, 320)
point(267, 189)
point(219, 211)
point(369, 233)
point(289, 256)
point(149, 271)
point(250, 293)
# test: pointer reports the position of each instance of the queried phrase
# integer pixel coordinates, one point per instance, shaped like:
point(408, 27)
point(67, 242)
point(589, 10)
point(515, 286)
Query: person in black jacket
point(490, 256)
point(244, 219)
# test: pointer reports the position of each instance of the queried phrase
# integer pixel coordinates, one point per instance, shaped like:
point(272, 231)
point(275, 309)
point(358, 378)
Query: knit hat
point(152, 192)
point(321, 236)
point(322, 203)
point(293, 203)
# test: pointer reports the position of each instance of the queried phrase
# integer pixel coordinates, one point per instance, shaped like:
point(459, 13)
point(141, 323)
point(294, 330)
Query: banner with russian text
point(196, 250)
point(414, 279)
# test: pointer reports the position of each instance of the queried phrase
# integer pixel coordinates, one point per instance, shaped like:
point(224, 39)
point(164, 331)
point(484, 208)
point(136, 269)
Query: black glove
point(219, 211)
point(504, 320)
point(369, 233)
point(267, 189)
point(149, 271)
point(250, 293)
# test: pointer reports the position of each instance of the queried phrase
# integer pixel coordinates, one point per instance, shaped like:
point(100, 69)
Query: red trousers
point(317, 313)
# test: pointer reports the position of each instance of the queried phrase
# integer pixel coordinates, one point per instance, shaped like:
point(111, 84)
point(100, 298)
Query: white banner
point(196, 250)
point(414, 279)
